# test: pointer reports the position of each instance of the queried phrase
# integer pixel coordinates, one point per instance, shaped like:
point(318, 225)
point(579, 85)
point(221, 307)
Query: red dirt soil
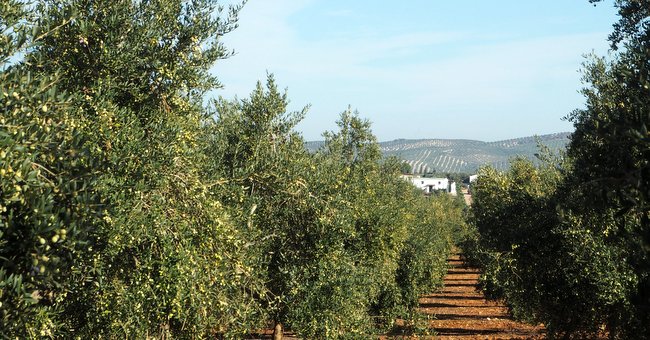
point(461, 311)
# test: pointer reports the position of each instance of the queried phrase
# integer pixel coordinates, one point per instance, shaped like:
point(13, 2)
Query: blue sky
point(473, 69)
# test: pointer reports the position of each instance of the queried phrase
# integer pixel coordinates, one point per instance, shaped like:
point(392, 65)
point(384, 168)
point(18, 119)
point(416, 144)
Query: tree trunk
point(277, 332)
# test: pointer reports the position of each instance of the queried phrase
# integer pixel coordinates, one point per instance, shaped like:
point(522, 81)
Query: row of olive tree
point(343, 244)
point(130, 209)
point(568, 243)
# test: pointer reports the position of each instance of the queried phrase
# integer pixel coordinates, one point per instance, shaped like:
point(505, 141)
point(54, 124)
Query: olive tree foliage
point(383, 222)
point(544, 261)
point(577, 257)
point(261, 164)
point(611, 154)
point(354, 143)
point(292, 210)
point(102, 121)
point(49, 205)
point(141, 54)
point(610, 147)
point(330, 230)
point(370, 235)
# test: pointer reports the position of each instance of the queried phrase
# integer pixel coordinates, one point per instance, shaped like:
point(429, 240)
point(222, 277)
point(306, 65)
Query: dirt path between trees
point(461, 311)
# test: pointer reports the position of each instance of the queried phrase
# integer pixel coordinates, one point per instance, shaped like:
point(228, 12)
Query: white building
point(430, 185)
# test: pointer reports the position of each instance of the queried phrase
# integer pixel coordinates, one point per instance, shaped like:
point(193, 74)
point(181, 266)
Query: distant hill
point(462, 155)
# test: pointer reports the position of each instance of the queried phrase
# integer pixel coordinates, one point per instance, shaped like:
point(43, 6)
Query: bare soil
point(467, 196)
point(461, 311)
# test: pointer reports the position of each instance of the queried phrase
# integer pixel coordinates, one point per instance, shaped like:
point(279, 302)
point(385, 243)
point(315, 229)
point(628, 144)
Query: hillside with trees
point(465, 156)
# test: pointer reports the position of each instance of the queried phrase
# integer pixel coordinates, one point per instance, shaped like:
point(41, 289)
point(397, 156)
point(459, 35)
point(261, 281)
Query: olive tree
point(106, 187)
